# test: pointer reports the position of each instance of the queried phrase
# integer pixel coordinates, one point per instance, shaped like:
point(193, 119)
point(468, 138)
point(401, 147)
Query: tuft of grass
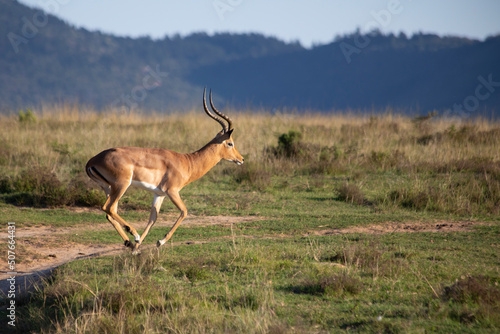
point(253, 174)
point(473, 299)
point(26, 116)
point(329, 285)
point(462, 193)
point(350, 193)
point(476, 289)
point(39, 187)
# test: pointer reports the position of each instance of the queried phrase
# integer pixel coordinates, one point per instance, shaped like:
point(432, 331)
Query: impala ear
point(225, 135)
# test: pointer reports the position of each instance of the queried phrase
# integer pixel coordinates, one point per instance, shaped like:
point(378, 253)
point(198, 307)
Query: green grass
point(388, 283)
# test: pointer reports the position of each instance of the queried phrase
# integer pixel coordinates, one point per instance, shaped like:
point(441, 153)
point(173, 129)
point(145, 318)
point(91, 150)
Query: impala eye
point(230, 144)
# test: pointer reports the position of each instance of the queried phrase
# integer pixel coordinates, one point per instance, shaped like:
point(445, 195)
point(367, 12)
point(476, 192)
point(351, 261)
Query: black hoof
point(127, 243)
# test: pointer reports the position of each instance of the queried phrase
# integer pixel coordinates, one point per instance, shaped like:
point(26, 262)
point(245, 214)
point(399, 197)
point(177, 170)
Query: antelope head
point(223, 139)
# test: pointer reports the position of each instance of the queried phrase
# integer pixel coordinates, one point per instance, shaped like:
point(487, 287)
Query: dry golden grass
point(60, 139)
point(63, 131)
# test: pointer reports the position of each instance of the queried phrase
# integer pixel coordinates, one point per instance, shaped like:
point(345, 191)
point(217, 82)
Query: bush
point(472, 289)
point(293, 154)
point(83, 192)
point(290, 145)
point(328, 285)
point(350, 193)
point(471, 299)
point(27, 116)
point(6, 185)
point(40, 187)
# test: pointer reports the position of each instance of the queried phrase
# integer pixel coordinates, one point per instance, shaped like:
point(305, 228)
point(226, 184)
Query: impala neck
point(203, 160)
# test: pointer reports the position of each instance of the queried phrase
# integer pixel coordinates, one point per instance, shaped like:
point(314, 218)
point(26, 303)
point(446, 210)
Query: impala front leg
point(155, 211)
point(176, 199)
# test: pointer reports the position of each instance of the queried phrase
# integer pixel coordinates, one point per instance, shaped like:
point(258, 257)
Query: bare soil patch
point(410, 227)
point(40, 249)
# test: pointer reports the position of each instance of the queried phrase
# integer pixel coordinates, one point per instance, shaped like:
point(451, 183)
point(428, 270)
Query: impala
point(160, 171)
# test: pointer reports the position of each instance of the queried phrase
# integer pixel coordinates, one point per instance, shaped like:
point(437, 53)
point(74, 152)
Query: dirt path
point(410, 227)
point(40, 250)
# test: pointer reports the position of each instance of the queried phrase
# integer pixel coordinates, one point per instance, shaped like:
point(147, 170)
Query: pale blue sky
point(310, 22)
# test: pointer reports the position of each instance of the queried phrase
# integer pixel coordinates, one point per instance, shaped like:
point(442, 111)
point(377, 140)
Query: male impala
point(161, 171)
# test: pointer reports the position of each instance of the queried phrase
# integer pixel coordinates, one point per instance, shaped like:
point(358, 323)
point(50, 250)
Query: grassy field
point(360, 223)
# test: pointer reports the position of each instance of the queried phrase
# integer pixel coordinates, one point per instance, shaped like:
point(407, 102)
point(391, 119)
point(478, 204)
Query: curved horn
point(227, 119)
point(220, 121)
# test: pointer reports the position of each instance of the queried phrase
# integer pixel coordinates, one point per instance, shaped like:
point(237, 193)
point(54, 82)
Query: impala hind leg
point(176, 199)
point(111, 209)
point(119, 229)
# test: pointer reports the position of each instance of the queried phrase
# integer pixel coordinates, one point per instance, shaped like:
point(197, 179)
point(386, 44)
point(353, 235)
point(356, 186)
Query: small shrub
point(473, 299)
point(289, 144)
point(464, 134)
point(39, 187)
point(27, 116)
point(83, 192)
point(329, 154)
point(409, 199)
point(350, 193)
point(472, 289)
point(6, 185)
point(328, 285)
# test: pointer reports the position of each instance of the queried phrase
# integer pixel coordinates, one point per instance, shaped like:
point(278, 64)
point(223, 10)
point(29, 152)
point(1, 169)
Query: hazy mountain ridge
point(45, 60)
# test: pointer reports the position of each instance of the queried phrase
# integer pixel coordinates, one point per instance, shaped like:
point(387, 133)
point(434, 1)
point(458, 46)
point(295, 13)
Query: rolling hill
point(45, 60)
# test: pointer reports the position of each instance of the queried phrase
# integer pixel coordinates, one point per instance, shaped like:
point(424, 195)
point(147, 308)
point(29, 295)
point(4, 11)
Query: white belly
point(148, 187)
